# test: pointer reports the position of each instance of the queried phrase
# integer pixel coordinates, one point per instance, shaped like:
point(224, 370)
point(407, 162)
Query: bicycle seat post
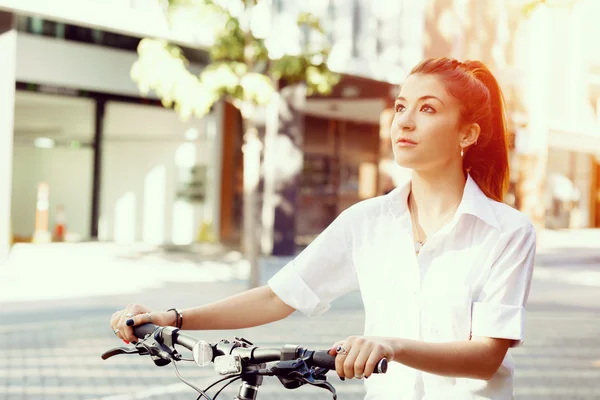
point(250, 384)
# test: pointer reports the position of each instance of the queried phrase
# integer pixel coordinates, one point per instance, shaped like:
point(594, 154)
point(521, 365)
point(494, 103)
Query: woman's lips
point(403, 142)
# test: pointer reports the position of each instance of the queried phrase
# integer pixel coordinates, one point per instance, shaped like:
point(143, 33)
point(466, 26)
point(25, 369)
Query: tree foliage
point(241, 69)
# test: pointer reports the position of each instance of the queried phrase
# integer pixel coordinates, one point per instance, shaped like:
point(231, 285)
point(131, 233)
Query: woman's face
point(425, 131)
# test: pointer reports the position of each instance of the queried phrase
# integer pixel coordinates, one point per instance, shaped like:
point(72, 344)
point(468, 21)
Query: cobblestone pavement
point(55, 353)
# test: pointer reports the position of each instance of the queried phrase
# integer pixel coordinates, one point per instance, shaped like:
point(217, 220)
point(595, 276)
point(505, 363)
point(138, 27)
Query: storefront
point(116, 166)
point(341, 155)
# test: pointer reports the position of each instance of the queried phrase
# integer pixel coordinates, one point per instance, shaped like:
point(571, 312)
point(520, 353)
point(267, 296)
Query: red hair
point(482, 102)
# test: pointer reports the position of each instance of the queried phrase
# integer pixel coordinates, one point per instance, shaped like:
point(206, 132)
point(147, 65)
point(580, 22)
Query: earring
point(462, 152)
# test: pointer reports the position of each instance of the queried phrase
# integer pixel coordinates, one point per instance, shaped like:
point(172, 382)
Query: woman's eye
point(427, 108)
point(399, 107)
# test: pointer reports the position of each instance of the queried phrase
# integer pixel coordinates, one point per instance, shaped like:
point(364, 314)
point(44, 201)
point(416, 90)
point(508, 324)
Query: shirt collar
point(474, 202)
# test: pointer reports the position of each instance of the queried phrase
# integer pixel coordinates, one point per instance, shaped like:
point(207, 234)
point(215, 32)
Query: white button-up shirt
point(472, 277)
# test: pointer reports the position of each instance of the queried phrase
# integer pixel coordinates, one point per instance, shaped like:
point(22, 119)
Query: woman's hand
point(140, 315)
point(357, 356)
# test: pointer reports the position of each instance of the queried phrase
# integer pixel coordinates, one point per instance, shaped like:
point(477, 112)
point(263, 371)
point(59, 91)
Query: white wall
point(69, 64)
point(138, 193)
point(144, 148)
point(8, 42)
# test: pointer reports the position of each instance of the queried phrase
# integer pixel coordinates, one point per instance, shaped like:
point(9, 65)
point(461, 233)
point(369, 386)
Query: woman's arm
point(251, 308)
point(478, 358)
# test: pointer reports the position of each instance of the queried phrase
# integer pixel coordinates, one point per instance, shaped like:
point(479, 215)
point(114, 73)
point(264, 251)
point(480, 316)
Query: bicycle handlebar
point(238, 359)
point(251, 354)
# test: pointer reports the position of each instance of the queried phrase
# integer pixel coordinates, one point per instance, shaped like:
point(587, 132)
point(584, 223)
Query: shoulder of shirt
point(511, 220)
point(371, 207)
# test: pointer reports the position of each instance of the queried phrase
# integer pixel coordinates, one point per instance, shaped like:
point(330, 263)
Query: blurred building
point(123, 168)
point(117, 166)
point(556, 64)
point(345, 158)
point(574, 118)
point(547, 61)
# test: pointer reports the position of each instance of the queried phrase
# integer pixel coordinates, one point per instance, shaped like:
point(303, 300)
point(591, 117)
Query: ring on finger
point(359, 376)
point(129, 315)
point(341, 350)
point(149, 317)
point(115, 331)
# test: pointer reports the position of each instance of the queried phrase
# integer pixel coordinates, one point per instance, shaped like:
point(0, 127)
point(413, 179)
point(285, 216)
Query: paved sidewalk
point(63, 271)
point(55, 302)
point(55, 354)
point(569, 256)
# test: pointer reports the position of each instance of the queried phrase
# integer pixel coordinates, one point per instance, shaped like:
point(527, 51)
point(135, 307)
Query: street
point(52, 342)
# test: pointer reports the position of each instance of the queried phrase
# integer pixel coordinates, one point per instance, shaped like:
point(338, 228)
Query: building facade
point(86, 156)
point(120, 167)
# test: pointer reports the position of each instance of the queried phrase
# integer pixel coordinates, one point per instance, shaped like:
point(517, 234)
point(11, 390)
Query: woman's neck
point(437, 194)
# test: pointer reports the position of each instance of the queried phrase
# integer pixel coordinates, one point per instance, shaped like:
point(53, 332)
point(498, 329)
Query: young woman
point(443, 266)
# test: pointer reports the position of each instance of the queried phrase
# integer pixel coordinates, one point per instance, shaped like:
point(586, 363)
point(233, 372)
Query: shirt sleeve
point(499, 312)
point(323, 271)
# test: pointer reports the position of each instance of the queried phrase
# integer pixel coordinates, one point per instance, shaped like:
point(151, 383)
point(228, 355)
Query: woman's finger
point(136, 320)
point(360, 362)
point(130, 311)
point(118, 334)
point(340, 351)
point(350, 360)
point(121, 324)
point(114, 324)
point(333, 351)
point(114, 319)
point(372, 362)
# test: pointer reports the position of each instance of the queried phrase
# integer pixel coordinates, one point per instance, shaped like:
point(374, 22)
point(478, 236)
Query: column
point(98, 147)
point(283, 161)
point(8, 55)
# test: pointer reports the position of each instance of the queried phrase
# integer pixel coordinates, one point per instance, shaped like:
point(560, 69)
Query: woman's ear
point(470, 134)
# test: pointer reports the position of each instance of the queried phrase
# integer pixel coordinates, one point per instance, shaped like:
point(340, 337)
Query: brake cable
point(197, 389)
point(235, 378)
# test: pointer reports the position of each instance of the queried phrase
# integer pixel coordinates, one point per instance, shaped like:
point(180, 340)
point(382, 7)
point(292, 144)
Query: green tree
point(243, 70)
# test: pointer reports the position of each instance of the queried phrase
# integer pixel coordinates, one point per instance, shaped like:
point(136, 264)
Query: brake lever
point(160, 353)
point(310, 380)
point(123, 350)
point(295, 373)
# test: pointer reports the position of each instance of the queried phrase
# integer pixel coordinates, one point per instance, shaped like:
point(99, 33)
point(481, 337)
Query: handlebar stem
point(250, 382)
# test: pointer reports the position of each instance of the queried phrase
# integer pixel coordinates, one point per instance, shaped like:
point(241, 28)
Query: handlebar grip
point(382, 366)
point(141, 331)
point(323, 359)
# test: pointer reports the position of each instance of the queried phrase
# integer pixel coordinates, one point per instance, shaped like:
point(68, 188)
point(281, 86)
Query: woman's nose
point(406, 121)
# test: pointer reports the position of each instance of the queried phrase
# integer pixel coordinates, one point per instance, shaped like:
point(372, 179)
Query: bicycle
point(236, 360)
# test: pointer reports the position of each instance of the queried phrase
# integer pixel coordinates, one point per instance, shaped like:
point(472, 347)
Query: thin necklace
point(420, 243)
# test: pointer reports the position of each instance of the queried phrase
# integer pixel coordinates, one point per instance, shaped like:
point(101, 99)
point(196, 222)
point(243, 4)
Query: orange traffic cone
point(59, 225)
